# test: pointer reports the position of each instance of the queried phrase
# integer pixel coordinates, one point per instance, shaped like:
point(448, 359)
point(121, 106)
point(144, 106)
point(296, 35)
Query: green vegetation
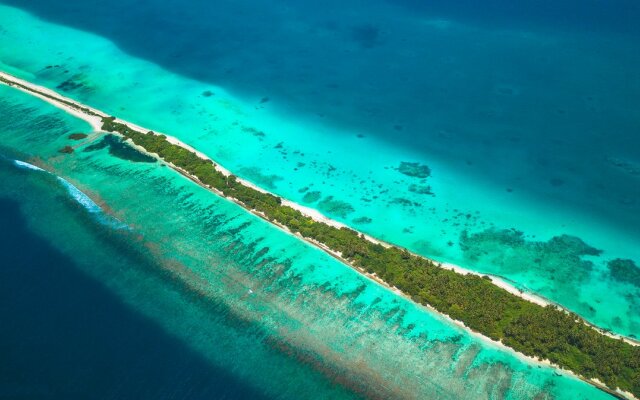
point(56, 98)
point(543, 332)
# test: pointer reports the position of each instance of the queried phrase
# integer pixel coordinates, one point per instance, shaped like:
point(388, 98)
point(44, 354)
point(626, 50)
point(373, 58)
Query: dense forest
point(543, 332)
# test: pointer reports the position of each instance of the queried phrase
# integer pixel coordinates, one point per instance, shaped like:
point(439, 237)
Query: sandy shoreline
point(96, 124)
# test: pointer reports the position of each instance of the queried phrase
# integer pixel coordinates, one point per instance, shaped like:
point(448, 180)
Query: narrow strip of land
point(490, 306)
point(95, 118)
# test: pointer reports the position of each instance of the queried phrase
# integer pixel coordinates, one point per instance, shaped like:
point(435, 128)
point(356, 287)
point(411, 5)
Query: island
point(543, 331)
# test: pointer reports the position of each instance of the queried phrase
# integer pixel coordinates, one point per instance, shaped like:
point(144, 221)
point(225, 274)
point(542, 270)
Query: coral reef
point(414, 169)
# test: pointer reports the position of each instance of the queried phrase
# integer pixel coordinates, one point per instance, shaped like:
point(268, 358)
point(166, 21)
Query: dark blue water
point(64, 335)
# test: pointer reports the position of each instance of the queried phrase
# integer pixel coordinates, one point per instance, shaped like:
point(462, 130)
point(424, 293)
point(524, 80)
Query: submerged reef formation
point(362, 220)
point(269, 181)
point(336, 207)
point(420, 189)
point(312, 197)
point(625, 271)
point(120, 149)
point(420, 172)
point(414, 169)
point(560, 256)
point(69, 84)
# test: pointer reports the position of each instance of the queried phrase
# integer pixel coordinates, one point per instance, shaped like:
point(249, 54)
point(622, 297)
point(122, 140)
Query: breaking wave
point(80, 197)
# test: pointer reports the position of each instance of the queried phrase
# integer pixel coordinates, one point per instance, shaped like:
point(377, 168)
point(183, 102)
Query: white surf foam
point(26, 165)
point(82, 199)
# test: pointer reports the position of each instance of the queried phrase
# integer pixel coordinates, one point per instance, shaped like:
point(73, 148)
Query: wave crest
point(80, 197)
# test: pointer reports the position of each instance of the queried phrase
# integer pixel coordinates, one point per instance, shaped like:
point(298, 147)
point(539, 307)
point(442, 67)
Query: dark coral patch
point(69, 85)
point(256, 176)
point(625, 271)
point(335, 207)
point(77, 136)
point(414, 169)
point(421, 189)
point(312, 197)
point(255, 132)
point(405, 202)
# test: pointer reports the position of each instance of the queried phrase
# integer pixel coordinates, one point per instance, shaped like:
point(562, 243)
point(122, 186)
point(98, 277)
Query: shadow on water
point(64, 335)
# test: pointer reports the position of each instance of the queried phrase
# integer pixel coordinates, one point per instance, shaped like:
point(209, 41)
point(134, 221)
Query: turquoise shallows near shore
point(238, 291)
point(265, 145)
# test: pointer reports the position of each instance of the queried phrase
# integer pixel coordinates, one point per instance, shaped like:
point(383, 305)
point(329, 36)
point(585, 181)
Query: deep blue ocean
point(65, 335)
point(553, 116)
point(525, 115)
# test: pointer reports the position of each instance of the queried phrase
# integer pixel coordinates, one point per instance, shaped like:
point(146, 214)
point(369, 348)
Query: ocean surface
point(503, 137)
point(125, 280)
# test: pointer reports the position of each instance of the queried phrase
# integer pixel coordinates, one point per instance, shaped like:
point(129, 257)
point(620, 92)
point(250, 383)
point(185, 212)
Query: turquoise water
point(528, 128)
point(126, 279)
